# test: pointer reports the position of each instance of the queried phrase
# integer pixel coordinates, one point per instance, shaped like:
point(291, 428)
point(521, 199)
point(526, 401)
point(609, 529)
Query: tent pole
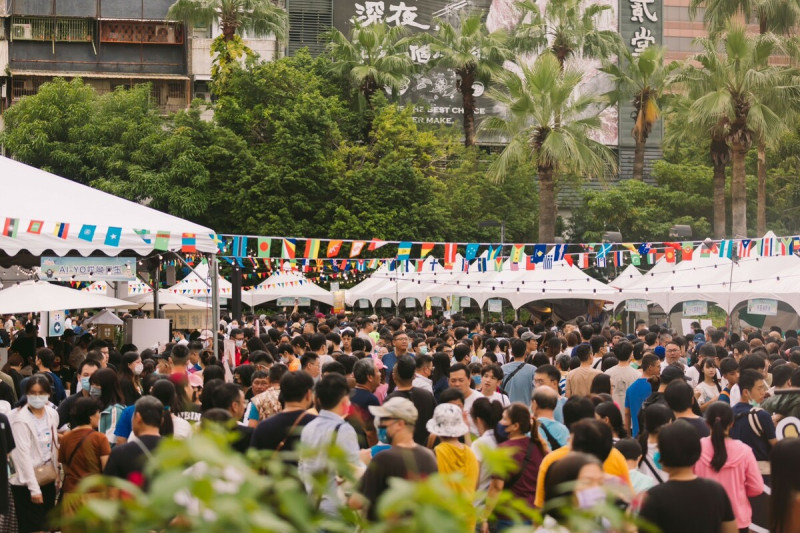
point(156, 279)
point(214, 271)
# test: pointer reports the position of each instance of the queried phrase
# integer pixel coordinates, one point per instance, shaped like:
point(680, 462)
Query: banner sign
point(338, 301)
point(465, 301)
point(495, 305)
point(762, 306)
point(362, 302)
point(292, 301)
point(411, 302)
point(436, 301)
point(56, 324)
point(695, 308)
point(636, 306)
point(386, 302)
point(89, 268)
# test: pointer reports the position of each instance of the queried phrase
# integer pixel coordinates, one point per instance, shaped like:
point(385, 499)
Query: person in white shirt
point(459, 379)
point(422, 377)
point(622, 374)
point(491, 376)
point(672, 354)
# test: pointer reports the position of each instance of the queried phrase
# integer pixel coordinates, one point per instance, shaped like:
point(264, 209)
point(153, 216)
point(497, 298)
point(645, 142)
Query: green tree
point(373, 57)
point(643, 80)
point(473, 53)
point(549, 125)
point(737, 84)
point(259, 18)
point(565, 28)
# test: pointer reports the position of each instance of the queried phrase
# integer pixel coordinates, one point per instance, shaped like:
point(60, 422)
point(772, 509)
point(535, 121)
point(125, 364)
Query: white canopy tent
point(400, 284)
point(287, 284)
point(366, 288)
point(134, 287)
point(167, 300)
point(41, 205)
point(40, 296)
point(104, 318)
point(197, 285)
point(628, 277)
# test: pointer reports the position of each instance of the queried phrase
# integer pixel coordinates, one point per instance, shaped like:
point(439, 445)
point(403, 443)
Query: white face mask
point(239, 343)
point(37, 401)
point(137, 368)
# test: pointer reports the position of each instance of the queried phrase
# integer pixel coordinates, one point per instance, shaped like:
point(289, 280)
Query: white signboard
point(436, 301)
point(289, 300)
point(495, 305)
point(636, 306)
point(334, 286)
point(411, 302)
point(695, 308)
point(386, 302)
point(465, 301)
point(362, 302)
point(56, 326)
point(762, 306)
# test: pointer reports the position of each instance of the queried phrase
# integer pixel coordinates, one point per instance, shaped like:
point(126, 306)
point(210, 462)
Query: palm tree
point(258, 18)
point(473, 53)
point(566, 28)
point(549, 125)
point(776, 16)
point(642, 79)
point(736, 84)
point(373, 57)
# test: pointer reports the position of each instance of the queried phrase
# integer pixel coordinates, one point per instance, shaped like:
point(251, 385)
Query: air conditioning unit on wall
point(21, 31)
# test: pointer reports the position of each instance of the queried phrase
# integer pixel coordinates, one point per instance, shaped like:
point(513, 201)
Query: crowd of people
point(677, 430)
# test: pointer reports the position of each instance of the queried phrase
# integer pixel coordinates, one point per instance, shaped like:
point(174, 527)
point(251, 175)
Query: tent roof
point(290, 284)
point(626, 278)
point(40, 296)
point(31, 195)
point(198, 284)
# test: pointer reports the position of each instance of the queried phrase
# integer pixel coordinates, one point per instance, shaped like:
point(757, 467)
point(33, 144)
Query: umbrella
point(104, 318)
point(39, 296)
point(167, 300)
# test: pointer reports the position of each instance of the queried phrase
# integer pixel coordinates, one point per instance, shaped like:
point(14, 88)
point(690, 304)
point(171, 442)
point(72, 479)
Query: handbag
point(45, 474)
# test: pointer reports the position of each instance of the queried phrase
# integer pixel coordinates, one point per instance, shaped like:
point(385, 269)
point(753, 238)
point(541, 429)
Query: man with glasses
point(672, 354)
point(400, 344)
point(406, 459)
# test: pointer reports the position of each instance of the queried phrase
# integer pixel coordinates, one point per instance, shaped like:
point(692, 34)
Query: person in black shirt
point(127, 461)
point(230, 397)
point(6, 445)
point(281, 431)
point(685, 503)
point(404, 370)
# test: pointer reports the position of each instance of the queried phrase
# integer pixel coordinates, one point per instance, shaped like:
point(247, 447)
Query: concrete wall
point(201, 53)
point(135, 9)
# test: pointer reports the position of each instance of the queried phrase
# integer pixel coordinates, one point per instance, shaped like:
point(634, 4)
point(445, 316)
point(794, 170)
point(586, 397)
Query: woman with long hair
point(784, 504)
point(730, 463)
point(656, 416)
point(609, 413)
point(130, 372)
point(511, 432)
point(35, 430)
point(164, 391)
point(709, 386)
point(552, 349)
point(486, 414)
point(441, 373)
point(601, 384)
point(477, 348)
point(104, 387)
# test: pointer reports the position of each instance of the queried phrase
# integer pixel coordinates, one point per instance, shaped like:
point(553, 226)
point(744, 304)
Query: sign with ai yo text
point(88, 268)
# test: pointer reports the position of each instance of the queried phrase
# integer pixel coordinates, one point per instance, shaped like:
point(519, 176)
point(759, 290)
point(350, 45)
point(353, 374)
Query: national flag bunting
point(619, 258)
point(559, 251)
point(35, 227)
point(583, 260)
point(636, 259)
point(494, 253)
point(263, 247)
point(356, 247)
point(726, 248)
point(687, 249)
point(61, 230)
point(644, 248)
point(669, 255)
point(605, 248)
point(530, 263)
point(538, 252)
point(450, 249)
point(471, 252)
point(312, 249)
point(288, 248)
point(87, 232)
point(516, 253)
point(144, 234)
point(427, 247)
point(188, 243)
point(403, 251)
point(162, 241)
point(375, 244)
point(10, 227)
point(766, 247)
point(113, 236)
point(239, 247)
point(744, 247)
point(548, 261)
point(333, 248)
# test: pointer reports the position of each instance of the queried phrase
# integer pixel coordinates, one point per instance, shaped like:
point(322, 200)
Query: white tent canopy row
point(518, 287)
point(134, 287)
point(167, 300)
point(198, 284)
point(286, 284)
point(39, 204)
point(40, 296)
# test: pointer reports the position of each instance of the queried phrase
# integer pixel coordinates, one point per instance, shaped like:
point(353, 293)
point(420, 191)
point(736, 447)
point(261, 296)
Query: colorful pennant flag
point(403, 251)
point(356, 247)
point(61, 230)
point(744, 247)
point(687, 249)
point(583, 260)
point(498, 264)
point(605, 248)
point(644, 248)
point(559, 250)
point(494, 253)
point(333, 248)
point(786, 245)
point(35, 226)
point(188, 243)
point(162, 241)
point(530, 263)
point(516, 253)
point(539, 250)
point(669, 255)
point(472, 251)
point(766, 248)
point(375, 244)
point(619, 258)
point(450, 249)
point(144, 234)
point(726, 248)
point(427, 247)
point(263, 247)
point(636, 259)
point(239, 248)
point(569, 260)
point(113, 236)
point(312, 249)
point(288, 248)
point(548, 262)
point(10, 227)
point(218, 241)
point(87, 232)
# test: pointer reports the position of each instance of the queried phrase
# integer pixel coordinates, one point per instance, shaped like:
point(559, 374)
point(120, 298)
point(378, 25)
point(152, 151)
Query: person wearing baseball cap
point(395, 420)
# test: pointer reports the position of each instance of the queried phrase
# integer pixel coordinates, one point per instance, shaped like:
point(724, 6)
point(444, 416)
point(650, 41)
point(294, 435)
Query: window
point(141, 32)
point(73, 30)
point(176, 89)
point(48, 29)
point(681, 14)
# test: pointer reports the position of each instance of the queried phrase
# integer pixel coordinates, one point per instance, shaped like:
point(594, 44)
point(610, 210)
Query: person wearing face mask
point(232, 348)
point(35, 457)
point(104, 387)
point(85, 371)
point(576, 481)
point(422, 377)
point(405, 459)
point(129, 382)
point(528, 452)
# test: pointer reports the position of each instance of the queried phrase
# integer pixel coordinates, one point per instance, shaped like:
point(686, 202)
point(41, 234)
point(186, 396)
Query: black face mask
point(501, 433)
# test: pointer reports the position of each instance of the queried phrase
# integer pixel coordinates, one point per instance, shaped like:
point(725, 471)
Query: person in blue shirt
point(400, 343)
point(639, 391)
point(543, 403)
point(549, 376)
point(753, 426)
point(518, 375)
